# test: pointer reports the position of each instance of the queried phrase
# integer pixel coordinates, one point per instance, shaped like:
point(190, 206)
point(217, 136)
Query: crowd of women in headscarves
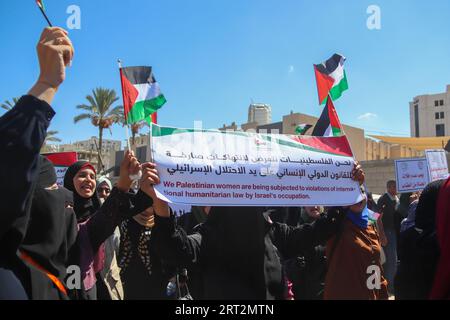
point(126, 243)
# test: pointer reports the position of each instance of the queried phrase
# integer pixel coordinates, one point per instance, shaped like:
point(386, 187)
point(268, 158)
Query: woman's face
point(84, 182)
point(103, 191)
point(313, 212)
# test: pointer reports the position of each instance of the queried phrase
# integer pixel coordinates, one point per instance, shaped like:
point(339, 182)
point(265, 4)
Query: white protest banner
point(437, 164)
point(412, 174)
point(215, 168)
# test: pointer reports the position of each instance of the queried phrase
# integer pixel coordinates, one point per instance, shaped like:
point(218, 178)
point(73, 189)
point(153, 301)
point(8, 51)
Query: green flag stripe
point(336, 132)
point(143, 109)
point(158, 131)
point(337, 90)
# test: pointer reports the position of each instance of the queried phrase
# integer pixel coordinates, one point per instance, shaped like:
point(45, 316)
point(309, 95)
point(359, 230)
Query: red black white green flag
point(331, 78)
point(328, 124)
point(301, 129)
point(40, 4)
point(141, 93)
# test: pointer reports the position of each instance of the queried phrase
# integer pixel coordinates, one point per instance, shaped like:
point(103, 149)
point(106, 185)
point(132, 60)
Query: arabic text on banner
point(210, 167)
point(437, 164)
point(412, 174)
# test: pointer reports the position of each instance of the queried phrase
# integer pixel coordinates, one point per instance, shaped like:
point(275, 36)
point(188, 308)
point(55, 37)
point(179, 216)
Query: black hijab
point(426, 208)
point(52, 228)
point(84, 208)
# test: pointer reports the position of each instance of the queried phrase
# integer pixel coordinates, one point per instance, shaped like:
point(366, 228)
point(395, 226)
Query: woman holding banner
point(354, 258)
point(80, 178)
point(236, 246)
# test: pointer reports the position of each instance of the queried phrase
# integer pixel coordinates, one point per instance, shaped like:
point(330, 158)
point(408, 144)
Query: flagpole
point(45, 15)
point(342, 126)
point(149, 153)
point(127, 127)
point(349, 144)
point(154, 121)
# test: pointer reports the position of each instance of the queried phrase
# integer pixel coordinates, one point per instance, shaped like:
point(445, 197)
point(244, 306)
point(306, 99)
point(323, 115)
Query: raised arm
point(169, 241)
point(293, 241)
point(22, 133)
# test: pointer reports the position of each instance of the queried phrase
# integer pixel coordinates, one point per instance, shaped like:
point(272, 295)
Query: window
point(436, 103)
point(441, 102)
point(439, 115)
point(440, 130)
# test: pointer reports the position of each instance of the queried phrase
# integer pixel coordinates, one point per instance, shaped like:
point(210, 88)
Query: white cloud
point(367, 116)
point(291, 69)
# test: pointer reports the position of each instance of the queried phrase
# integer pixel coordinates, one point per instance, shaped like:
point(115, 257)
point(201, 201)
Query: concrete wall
point(378, 172)
point(252, 126)
point(232, 127)
point(276, 127)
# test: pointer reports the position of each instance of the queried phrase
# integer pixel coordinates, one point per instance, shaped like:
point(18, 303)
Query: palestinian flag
point(302, 129)
point(153, 118)
point(40, 4)
point(328, 124)
point(141, 93)
point(331, 78)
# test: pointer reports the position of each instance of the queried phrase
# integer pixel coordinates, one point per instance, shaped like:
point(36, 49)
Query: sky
point(213, 57)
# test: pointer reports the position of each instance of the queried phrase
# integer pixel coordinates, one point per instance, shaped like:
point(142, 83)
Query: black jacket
point(419, 249)
point(22, 133)
point(235, 249)
point(144, 275)
point(418, 255)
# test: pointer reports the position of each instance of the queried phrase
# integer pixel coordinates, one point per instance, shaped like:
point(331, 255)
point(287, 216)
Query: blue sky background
point(212, 57)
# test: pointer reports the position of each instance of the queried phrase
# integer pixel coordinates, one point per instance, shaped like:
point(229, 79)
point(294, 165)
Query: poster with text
point(411, 174)
point(437, 164)
point(217, 168)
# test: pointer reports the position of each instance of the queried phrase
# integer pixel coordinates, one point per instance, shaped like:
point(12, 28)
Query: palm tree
point(51, 137)
point(135, 127)
point(101, 113)
point(8, 105)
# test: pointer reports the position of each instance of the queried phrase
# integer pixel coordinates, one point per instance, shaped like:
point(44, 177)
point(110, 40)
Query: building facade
point(93, 144)
point(430, 115)
point(88, 150)
point(260, 113)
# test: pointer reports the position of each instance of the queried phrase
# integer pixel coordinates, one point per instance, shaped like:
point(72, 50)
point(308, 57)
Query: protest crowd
point(129, 245)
